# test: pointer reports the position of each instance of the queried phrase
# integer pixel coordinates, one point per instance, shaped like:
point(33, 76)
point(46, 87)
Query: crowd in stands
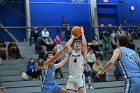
point(45, 44)
point(10, 51)
point(3, 50)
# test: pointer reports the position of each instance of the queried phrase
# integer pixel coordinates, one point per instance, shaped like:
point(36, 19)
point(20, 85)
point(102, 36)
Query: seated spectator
point(49, 44)
point(13, 50)
point(91, 58)
point(2, 89)
point(40, 42)
point(113, 40)
point(117, 72)
point(59, 70)
point(43, 53)
point(87, 72)
point(106, 42)
point(3, 50)
point(54, 51)
point(1, 61)
point(31, 69)
point(131, 44)
point(57, 42)
point(39, 67)
point(97, 66)
point(96, 50)
point(34, 36)
point(120, 31)
point(45, 32)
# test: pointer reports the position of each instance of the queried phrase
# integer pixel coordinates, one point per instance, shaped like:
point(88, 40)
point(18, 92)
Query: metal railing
point(134, 30)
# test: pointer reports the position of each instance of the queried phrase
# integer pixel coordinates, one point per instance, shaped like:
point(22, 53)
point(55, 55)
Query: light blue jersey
point(49, 85)
point(130, 69)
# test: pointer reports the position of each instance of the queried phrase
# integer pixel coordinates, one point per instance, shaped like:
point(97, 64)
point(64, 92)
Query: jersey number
point(75, 60)
point(130, 57)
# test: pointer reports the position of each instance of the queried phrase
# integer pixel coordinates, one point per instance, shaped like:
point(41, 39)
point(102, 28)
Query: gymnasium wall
point(49, 13)
point(114, 11)
point(12, 14)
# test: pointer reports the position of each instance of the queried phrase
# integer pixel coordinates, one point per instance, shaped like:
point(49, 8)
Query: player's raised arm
point(61, 63)
point(109, 65)
point(68, 44)
point(55, 57)
point(84, 42)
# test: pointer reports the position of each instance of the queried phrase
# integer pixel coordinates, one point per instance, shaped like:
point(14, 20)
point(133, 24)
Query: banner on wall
point(105, 1)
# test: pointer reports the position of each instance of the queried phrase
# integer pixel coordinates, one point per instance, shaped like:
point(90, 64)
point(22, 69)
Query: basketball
point(76, 31)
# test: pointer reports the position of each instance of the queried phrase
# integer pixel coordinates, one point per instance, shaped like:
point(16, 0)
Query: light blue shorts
point(132, 85)
point(51, 88)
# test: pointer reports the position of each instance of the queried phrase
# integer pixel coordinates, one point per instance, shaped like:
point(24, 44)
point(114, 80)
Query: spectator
point(106, 42)
point(120, 32)
point(113, 40)
point(125, 23)
point(68, 33)
point(57, 42)
point(43, 53)
point(64, 24)
point(117, 72)
point(1, 61)
point(49, 44)
point(3, 50)
point(39, 67)
point(97, 66)
point(41, 41)
point(54, 51)
point(13, 50)
point(91, 58)
point(87, 72)
point(31, 69)
point(34, 35)
point(45, 32)
point(2, 89)
point(58, 70)
point(96, 50)
point(131, 44)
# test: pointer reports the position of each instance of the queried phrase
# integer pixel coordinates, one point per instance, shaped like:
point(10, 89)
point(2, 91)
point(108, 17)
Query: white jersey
point(76, 62)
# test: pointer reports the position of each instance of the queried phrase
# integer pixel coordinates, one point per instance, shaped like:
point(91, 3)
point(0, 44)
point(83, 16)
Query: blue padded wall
point(49, 13)
point(116, 10)
point(12, 14)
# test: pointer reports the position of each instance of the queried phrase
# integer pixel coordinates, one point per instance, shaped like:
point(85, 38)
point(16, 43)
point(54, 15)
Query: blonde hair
point(78, 41)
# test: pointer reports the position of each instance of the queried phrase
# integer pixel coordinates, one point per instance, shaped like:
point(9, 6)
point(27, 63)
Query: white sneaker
point(90, 87)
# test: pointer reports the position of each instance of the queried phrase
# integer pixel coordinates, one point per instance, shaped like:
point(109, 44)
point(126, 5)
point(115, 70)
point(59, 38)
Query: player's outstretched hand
point(82, 29)
point(98, 74)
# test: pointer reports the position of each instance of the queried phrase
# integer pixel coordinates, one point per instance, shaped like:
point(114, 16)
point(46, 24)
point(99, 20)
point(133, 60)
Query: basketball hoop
point(77, 1)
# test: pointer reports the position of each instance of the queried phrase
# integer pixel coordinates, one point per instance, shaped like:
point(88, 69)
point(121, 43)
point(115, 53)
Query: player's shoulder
point(117, 51)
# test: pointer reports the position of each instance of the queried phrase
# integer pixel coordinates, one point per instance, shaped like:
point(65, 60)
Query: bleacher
point(10, 76)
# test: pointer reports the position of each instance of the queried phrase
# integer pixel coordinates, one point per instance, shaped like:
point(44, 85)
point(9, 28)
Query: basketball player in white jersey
point(76, 80)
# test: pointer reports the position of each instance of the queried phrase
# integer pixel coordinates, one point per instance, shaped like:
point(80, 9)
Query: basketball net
point(77, 1)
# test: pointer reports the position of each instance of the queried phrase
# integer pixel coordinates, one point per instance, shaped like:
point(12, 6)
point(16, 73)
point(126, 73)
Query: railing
point(134, 30)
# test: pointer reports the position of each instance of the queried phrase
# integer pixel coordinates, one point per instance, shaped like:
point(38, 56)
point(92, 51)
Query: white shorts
point(75, 82)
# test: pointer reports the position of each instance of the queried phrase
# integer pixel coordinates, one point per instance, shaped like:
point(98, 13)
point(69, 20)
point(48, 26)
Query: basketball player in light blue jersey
point(49, 85)
point(129, 62)
point(76, 80)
